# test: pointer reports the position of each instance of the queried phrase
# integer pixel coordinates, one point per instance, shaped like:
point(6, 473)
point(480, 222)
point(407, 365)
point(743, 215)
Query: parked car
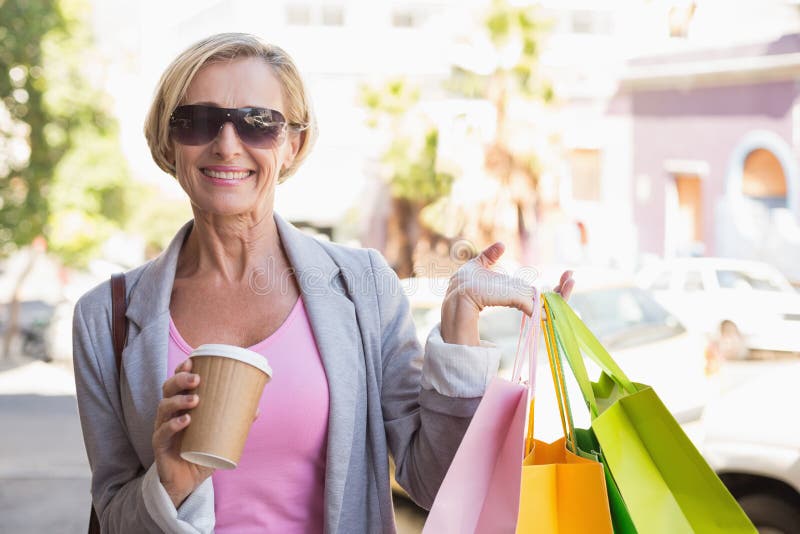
point(752, 440)
point(33, 321)
point(648, 342)
point(727, 298)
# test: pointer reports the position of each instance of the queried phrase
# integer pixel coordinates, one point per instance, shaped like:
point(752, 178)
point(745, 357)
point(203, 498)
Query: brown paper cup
point(231, 382)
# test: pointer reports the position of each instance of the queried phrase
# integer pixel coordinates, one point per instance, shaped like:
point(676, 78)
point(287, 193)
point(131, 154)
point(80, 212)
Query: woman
point(230, 120)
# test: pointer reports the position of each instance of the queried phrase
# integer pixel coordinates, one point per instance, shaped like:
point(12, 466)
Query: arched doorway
point(763, 168)
point(763, 179)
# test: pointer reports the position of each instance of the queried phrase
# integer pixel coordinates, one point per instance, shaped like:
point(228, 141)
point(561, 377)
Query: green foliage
point(73, 187)
point(411, 156)
point(516, 30)
point(414, 175)
point(154, 216)
point(23, 180)
point(388, 100)
point(88, 196)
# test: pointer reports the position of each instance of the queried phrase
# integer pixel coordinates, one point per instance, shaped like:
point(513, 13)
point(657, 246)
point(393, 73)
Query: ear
point(169, 154)
point(295, 141)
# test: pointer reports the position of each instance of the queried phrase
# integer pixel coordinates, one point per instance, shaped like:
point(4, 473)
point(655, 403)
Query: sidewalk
point(23, 376)
point(44, 475)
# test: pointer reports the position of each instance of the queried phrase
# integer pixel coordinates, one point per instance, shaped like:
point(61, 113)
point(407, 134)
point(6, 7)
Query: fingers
point(491, 254)
point(566, 289)
point(185, 365)
point(497, 289)
point(180, 382)
point(170, 407)
point(565, 285)
point(162, 437)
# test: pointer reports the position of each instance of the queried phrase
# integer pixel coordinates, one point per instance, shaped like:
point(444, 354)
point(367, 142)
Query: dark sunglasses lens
point(258, 127)
point(198, 125)
point(195, 125)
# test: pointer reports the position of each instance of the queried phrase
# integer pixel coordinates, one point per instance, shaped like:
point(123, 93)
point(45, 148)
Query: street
point(44, 482)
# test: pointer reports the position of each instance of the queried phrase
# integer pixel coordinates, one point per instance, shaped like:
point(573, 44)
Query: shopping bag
point(563, 490)
point(501, 480)
point(562, 493)
point(480, 492)
point(665, 483)
point(585, 442)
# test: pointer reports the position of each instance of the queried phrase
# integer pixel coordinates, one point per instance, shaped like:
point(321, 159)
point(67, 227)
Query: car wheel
point(771, 514)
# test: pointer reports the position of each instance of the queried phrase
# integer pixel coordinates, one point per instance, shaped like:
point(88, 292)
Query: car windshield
point(625, 316)
point(731, 279)
point(619, 317)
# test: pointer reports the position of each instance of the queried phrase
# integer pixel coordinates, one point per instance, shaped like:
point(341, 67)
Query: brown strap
point(119, 323)
point(119, 332)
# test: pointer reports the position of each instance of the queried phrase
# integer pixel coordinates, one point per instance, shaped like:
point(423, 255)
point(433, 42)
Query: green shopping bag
point(665, 483)
point(583, 440)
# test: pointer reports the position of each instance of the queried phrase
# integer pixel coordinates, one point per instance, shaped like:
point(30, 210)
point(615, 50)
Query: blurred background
point(650, 145)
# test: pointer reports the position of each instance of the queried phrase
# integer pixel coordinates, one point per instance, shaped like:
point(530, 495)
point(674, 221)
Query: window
point(333, 16)
point(730, 279)
point(412, 17)
point(307, 14)
point(590, 22)
point(624, 317)
point(298, 14)
point(585, 166)
point(662, 281)
point(693, 281)
point(403, 19)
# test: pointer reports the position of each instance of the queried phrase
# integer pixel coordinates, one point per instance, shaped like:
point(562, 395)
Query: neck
point(230, 249)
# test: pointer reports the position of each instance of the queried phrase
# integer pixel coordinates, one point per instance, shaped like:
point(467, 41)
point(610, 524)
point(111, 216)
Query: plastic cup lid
point(237, 353)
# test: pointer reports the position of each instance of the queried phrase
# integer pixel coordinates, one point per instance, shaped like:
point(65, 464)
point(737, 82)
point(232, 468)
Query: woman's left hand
point(475, 286)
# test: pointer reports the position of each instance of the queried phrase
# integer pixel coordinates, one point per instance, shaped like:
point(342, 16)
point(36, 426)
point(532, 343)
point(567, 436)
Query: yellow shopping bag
point(561, 492)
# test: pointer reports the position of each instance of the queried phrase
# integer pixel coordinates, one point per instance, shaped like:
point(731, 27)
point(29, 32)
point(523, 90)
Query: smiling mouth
point(227, 175)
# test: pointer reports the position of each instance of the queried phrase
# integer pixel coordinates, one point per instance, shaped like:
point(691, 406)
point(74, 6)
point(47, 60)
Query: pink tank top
point(279, 483)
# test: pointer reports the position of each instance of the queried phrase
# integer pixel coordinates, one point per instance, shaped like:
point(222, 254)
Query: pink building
point(714, 148)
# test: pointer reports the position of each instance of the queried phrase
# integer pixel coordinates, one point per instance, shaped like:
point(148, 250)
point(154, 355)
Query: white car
point(754, 296)
point(752, 439)
point(647, 341)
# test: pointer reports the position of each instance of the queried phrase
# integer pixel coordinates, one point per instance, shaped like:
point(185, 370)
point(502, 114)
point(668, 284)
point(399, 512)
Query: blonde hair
point(175, 81)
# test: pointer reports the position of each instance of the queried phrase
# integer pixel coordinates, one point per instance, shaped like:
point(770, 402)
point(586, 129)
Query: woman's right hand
point(179, 477)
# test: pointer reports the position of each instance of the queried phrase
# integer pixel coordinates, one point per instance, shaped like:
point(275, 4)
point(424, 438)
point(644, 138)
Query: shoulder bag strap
point(119, 332)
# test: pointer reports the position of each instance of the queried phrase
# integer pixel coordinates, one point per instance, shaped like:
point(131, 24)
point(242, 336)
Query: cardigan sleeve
point(127, 497)
point(427, 402)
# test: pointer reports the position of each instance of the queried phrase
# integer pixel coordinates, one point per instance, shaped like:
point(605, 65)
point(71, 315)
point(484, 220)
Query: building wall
point(701, 125)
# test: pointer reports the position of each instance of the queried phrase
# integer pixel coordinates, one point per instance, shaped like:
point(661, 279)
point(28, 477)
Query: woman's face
point(247, 82)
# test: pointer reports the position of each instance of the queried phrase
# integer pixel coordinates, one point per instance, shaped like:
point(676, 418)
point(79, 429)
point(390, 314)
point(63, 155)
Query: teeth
point(226, 175)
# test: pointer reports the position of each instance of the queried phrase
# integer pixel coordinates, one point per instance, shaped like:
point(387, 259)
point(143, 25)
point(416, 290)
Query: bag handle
point(572, 335)
point(528, 349)
point(570, 322)
point(559, 384)
point(119, 334)
point(528, 344)
point(565, 338)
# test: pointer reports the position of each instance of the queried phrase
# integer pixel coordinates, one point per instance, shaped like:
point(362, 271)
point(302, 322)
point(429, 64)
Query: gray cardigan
point(383, 398)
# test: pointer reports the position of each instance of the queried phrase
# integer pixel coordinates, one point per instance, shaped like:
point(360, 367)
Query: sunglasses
point(256, 127)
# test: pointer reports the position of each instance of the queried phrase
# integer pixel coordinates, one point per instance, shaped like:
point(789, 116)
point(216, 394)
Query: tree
point(409, 165)
point(62, 176)
point(514, 33)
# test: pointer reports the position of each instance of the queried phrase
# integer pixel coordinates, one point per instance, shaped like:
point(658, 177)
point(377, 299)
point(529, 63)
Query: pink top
point(279, 483)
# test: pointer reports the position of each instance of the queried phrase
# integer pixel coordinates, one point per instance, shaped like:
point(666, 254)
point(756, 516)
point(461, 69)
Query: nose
point(227, 143)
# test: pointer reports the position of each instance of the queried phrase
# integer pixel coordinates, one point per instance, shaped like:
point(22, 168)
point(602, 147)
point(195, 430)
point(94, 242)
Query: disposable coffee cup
point(232, 380)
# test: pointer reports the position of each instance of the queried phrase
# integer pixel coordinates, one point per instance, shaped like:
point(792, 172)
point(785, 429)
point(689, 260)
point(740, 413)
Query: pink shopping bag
point(481, 490)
